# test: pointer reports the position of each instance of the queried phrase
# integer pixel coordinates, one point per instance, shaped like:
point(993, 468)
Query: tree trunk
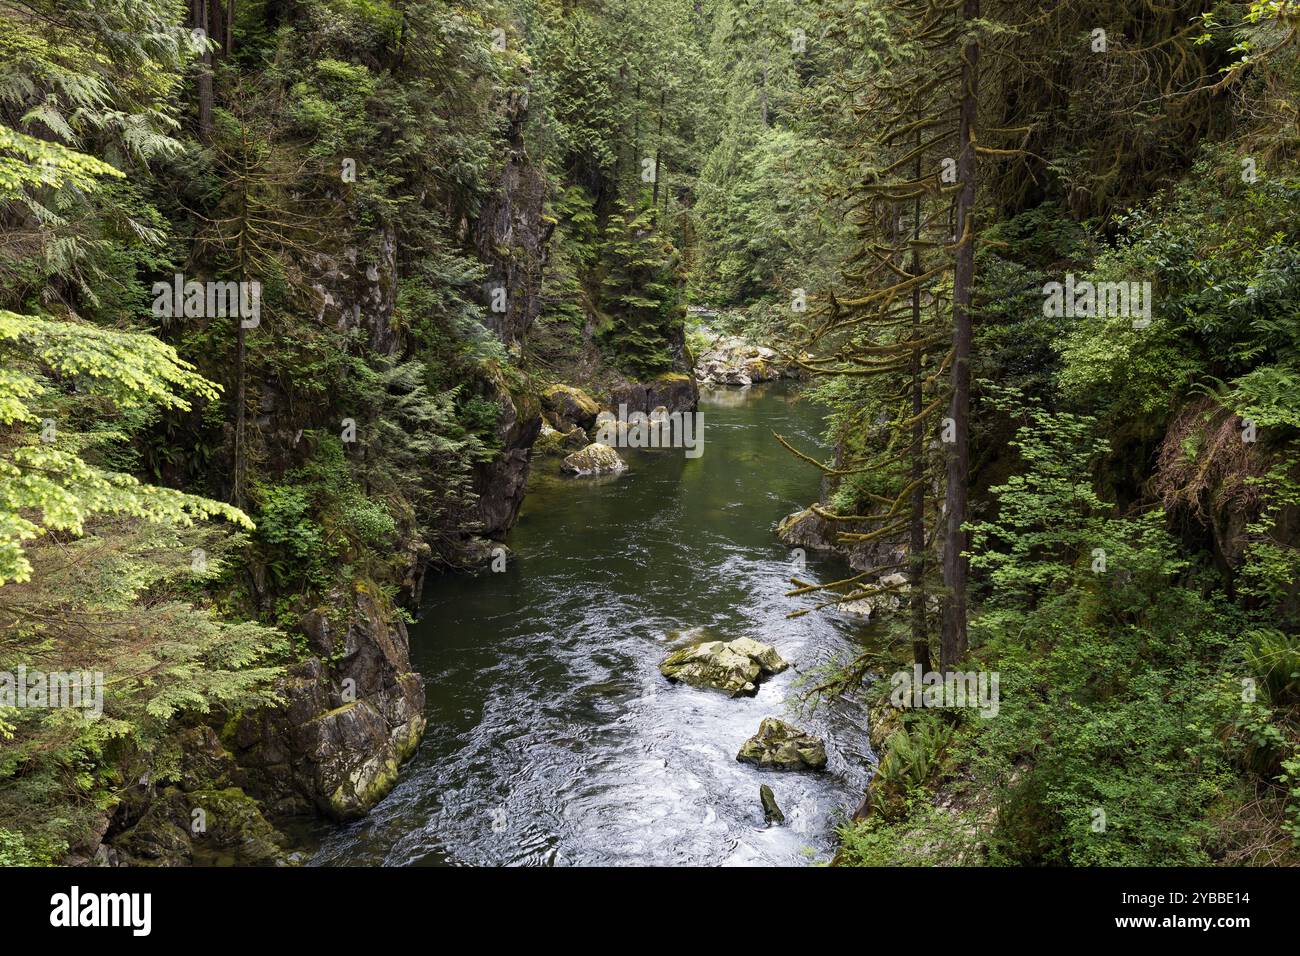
point(637, 168)
point(201, 16)
point(659, 148)
point(916, 543)
point(955, 564)
point(241, 383)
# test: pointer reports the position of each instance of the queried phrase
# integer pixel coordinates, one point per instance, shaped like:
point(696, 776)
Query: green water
point(553, 739)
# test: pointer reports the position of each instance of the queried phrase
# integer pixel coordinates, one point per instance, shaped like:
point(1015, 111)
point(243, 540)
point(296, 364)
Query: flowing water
point(553, 739)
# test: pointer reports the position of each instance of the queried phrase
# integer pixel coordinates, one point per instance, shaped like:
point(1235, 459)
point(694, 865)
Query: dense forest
point(298, 298)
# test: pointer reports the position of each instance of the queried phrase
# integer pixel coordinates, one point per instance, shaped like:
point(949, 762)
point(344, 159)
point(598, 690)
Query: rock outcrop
point(782, 746)
point(556, 443)
point(734, 361)
point(475, 553)
point(733, 666)
point(500, 483)
point(198, 827)
point(806, 529)
point(346, 726)
point(567, 407)
point(512, 235)
point(201, 818)
point(357, 288)
point(512, 238)
point(675, 391)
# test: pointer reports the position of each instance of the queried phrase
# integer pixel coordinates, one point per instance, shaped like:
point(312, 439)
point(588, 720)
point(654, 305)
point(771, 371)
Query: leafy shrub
point(294, 541)
point(911, 757)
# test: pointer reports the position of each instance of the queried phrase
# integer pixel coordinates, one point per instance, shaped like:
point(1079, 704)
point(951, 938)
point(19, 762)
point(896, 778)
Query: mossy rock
point(771, 811)
point(367, 782)
point(595, 459)
point(214, 826)
point(553, 443)
point(236, 831)
point(732, 666)
point(161, 837)
point(570, 406)
point(782, 746)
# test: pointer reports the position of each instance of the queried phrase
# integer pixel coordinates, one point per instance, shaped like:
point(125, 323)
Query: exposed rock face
point(567, 406)
point(358, 289)
point(354, 287)
point(338, 742)
point(734, 666)
point(782, 746)
point(500, 483)
point(512, 239)
point(675, 391)
point(510, 234)
point(595, 459)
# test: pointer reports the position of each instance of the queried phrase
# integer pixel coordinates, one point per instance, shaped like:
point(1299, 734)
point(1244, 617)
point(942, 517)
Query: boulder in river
point(734, 666)
point(567, 406)
point(558, 443)
point(476, 552)
point(595, 459)
point(771, 812)
point(782, 746)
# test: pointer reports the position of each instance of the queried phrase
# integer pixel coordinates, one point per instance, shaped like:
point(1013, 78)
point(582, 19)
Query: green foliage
point(17, 849)
point(921, 835)
point(764, 226)
point(293, 541)
point(1109, 671)
point(912, 755)
point(641, 293)
point(1290, 777)
point(120, 600)
point(84, 101)
point(775, 169)
point(48, 485)
point(1222, 256)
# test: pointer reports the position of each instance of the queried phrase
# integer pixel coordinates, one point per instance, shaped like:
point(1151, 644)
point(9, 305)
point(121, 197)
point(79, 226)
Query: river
point(552, 737)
